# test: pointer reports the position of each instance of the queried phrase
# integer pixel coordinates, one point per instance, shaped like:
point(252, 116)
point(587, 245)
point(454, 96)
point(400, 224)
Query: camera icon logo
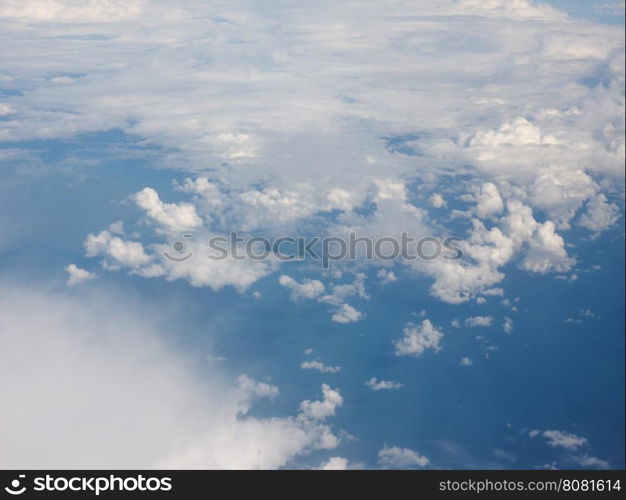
point(14, 488)
point(180, 254)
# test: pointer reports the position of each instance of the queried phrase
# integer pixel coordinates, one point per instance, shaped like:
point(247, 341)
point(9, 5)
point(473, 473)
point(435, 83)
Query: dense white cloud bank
point(91, 383)
point(287, 112)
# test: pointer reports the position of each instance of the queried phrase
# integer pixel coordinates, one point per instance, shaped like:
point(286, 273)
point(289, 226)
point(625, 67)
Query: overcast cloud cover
point(126, 125)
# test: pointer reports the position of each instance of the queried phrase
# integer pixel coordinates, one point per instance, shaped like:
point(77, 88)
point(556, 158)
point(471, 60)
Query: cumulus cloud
point(591, 462)
point(116, 251)
point(250, 387)
point(383, 385)
point(346, 314)
point(173, 217)
point(308, 289)
point(418, 338)
point(192, 263)
point(341, 292)
point(516, 233)
point(385, 277)
point(335, 463)
point(394, 457)
point(477, 321)
point(77, 275)
point(466, 362)
point(319, 366)
point(546, 251)
point(489, 201)
point(507, 325)
point(561, 191)
point(123, 397)
point(516, 132)
point(437, 201)
point(321, 410)
point(600, 215)
point(314, 290)
point(563, 439)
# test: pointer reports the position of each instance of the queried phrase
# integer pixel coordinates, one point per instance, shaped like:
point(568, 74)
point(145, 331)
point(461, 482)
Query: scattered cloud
point(77, 275)
point(479, 321)
point(393, 457)
point(383, 385)
point(385, 277)
point(321, 410)
point(418, 338)
point(507, 325)
point(563, 439)
point(346, 314)
point(308, 289)
point(335, 463)
point(319, 366)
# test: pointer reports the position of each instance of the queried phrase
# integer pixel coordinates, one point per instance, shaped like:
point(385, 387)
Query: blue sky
point(126, 124)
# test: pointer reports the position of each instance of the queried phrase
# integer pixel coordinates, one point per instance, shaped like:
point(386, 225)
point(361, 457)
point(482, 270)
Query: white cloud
point(563, 439)
point(507, 325)
point(64, 11)
point(589, 462)
point(319, 366)
point(116, 251)
point(393, 457)
point(466, 362)
point(600, 215)
point(173, 217)
point(340, 292)
point(321, 410)
point(385, 277)
point(335, 463)
point(383, 385)
point(253, 388)
point(314, 290)
point(437, 201)
point(77, 275)
point(540, 138)
point(6, 109)
point(122, 397)
point(489, 201)
point(546, 251)
point(389, 189)
point(516, 132)
point(486, 250)
point(347, 314)
point(201, 271)
point(418, 338)
point(308, 289)
point(561, 191)
point(479, 321)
